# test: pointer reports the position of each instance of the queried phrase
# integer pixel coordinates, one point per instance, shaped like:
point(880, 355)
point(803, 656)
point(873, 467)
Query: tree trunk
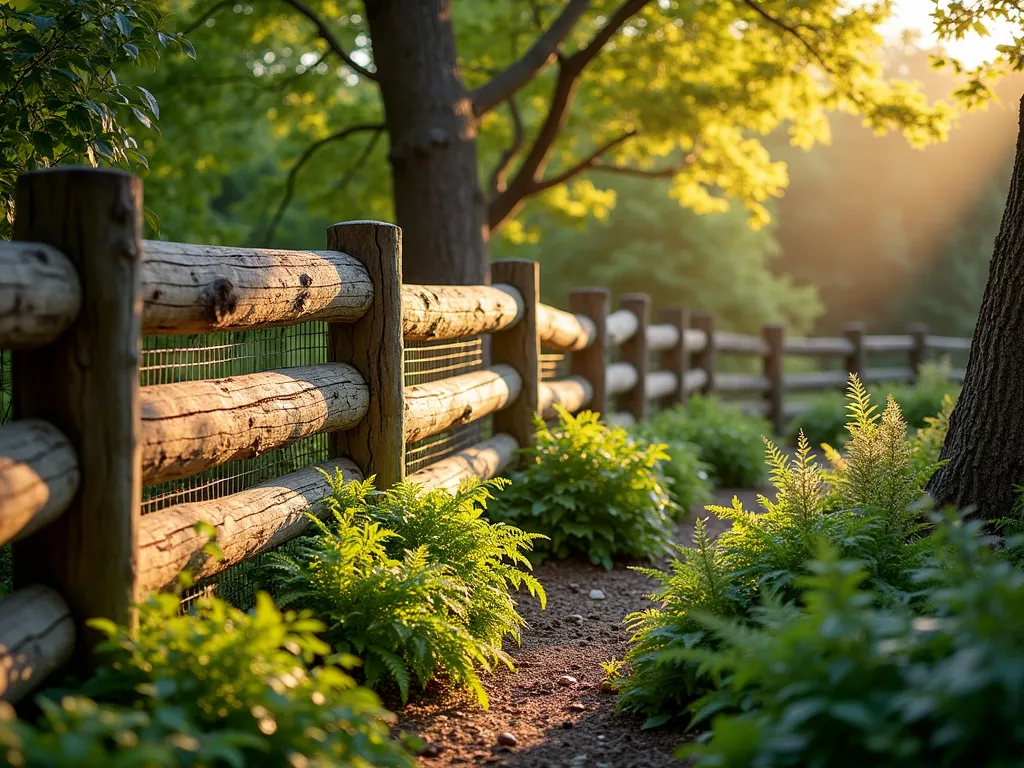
point(985, 445)
point(429, 119)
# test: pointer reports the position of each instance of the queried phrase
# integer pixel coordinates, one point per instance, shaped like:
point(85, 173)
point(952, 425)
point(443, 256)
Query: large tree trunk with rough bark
point(985, 445)
point(429, 119)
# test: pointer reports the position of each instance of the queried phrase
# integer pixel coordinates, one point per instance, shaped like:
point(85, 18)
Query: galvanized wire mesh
point(553, 365)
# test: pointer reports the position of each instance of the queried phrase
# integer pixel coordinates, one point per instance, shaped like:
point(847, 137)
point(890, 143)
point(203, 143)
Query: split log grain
point(451, 312)
point(192, 426)
point(573, 394)
point(244, 525)
point(38, 477)
point(206, 288)
point(37, 637)
point(482, 461)
point(40, 294)
point(439, 405)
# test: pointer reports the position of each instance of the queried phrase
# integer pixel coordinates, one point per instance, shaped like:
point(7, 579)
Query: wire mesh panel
point(553, 365)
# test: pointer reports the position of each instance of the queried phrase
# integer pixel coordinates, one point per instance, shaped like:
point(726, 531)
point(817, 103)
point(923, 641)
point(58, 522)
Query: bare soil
point(553, 705)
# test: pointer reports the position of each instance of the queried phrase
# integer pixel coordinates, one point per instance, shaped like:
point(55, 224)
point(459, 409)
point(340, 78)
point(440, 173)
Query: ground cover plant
point(416, 584)
point(688, 477)
point(727, 439)
point(863, 507)
point(591, 489)
point(217, 687)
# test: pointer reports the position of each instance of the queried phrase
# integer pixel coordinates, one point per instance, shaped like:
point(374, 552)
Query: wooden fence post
point(707, 358)
point(373, 346)
point(674, 359)
point(591, 363)
point(86, 383)
point(856, 361)
point(634, 351)
point(773, 336)
point(919, 347)
point(519, 346)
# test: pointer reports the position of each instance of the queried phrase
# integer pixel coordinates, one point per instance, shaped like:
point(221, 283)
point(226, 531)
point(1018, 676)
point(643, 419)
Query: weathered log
point(244, 524)
point(815, 380)
point(621, 419)
point(192, 426)
point(40, 294)
point(38, 477)
point(821, 346)
point(573, 394)
point(695, 340)
point(204, 288)
point(37, 636)
point(621, 325)
point(740, 344)
point(741, 382)
point(563, 331)
point(888, 343)
point(439, 405)
point(949, 344)
point(887, 375)
point(661, 336)
point(482, 461)
point(660, 384)
point(621, 377)
point(449, 312)
point(695, 379)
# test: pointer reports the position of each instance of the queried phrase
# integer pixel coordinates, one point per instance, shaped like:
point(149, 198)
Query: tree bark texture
point(984, 450)
point(429, 118)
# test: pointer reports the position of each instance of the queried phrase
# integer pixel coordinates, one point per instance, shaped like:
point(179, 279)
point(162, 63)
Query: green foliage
point(728, 440)
point(687, 477)
point(824, 420)
point(428, 600)
point(863, 507)
point(61, 100)
point(592, 489)
point(217, 687)
point(851, 680)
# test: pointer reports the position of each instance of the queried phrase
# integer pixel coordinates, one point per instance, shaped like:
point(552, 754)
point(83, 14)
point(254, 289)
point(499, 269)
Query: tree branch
point(570, 70)
point(207, 14)
point(788, 28)
point(498, 176)
point(524, 69)
point(328, 37)
point(590, 161)
point(289, 187)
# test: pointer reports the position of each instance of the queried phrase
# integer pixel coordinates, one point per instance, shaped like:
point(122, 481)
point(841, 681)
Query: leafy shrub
point(863, 507)
point(846, 682)
point(824, 420)
point(591, 489)
point(219, 687)
point(687, 477)
point(428, 600)
point(728, 440)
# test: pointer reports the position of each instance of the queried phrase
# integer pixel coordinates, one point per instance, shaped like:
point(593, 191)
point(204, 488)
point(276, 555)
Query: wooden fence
point(80, 288)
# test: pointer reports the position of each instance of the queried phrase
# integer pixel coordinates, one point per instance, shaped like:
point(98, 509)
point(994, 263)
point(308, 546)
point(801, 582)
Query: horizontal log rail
point(481, 461)
point(38, 477)
point(660, 384)
point(621, 419)
point(452, 312)
point(948, 344)
point(886, 375)
point(741, 382)
point(815, 380)
point(821, 346)
point(562, 331)
point(740, 344)
point(208, 288)
point(888, 343)
point(695, 379)
point(439, 405)
point(661, 337)
point(621, 326)
point(40, 294)
point(621, 377)
point(573, 394)
point(191, 426)
point(695, 340)
point(244, 524)
point(37, 636)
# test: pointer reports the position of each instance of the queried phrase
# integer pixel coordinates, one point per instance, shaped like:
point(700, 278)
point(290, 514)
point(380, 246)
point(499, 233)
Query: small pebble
point(575, 619)
point(507, 739)
point(577, 707)
point(574, 586)
point(431, 750)
point(596, 594)
point(567, 680)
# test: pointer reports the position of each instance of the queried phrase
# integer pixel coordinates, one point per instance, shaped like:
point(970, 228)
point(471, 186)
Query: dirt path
point(553, 705)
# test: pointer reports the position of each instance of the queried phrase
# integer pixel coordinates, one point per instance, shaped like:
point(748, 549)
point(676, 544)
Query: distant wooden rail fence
point(80, 288)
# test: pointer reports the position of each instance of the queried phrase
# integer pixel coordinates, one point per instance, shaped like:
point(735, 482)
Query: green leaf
point(124, 24)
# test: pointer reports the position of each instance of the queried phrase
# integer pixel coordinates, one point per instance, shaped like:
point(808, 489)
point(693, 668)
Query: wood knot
point(299, 305)
point(219, 300)
point(305, 280)
point(41, 256)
